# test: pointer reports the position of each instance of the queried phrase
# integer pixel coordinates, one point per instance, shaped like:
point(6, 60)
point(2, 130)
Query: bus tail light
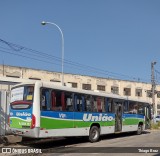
point(9, 120)
point(33, 122)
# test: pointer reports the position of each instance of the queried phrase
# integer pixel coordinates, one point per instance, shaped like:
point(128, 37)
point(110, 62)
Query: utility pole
point(3, 67)
point(153, 88)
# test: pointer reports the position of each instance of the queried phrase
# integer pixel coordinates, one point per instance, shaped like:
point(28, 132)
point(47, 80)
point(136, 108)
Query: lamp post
point(44, 23)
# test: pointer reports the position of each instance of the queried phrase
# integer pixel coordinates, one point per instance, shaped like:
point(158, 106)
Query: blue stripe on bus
point(133, 116)
point(71, 115)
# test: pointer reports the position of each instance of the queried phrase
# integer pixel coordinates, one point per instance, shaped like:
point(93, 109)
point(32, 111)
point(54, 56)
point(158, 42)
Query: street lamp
point(44, 23)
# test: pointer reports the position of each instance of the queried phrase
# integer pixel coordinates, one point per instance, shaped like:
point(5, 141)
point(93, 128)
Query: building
point(10, 75)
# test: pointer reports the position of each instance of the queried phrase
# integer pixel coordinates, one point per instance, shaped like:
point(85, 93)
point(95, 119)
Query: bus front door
point(118, 117)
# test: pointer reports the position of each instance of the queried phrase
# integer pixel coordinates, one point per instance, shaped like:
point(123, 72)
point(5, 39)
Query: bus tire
point(139, 130)
point(94, 134)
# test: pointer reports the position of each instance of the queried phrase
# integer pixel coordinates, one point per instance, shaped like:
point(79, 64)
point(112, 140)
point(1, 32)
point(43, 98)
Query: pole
point(44, 23)
point(153, 88)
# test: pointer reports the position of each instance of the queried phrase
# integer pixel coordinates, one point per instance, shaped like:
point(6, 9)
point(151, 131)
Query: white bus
point(43, 110)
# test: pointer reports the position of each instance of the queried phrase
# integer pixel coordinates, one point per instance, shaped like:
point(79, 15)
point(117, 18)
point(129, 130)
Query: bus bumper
point(32, 133)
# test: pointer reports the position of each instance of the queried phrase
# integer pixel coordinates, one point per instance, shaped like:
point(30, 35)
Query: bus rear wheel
point(94, 134)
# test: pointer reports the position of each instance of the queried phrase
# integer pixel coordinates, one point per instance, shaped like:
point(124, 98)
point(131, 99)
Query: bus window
point(53, 100)
point(69, 101)
point(141, 108)
point(45, 99)
point(133, 107)
point(28, 93)
point(110, 106)
point(61, 101)
point(103, 104)
point(78, 102)
point(82, 103)
point(88, 103)
point(125, 106)
point(100, 104)
point(57, 100)
point(93, 104)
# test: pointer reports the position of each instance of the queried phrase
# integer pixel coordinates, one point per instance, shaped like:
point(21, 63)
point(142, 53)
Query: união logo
point(23, 114)
point(100, 117)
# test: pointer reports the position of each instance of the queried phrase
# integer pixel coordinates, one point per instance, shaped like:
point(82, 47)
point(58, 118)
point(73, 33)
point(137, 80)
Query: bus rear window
point(28, 93)
point(22, 93)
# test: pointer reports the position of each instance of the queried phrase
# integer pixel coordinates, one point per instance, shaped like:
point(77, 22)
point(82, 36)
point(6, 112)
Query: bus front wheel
point(94, 134)
point(139, 130)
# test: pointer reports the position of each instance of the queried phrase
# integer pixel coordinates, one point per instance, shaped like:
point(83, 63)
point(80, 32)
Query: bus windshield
point(22, 93)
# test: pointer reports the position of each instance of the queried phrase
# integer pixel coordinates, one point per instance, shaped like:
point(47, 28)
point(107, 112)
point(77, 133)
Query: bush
point(155, 125)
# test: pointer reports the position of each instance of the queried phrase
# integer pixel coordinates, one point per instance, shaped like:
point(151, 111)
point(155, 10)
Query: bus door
point(118, 116)
point(147, 114)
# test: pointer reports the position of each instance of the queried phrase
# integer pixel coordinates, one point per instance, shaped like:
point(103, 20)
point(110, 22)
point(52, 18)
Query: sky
point(103, 38)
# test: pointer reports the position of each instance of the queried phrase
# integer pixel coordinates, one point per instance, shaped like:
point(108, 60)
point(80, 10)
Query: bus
point(43, 110)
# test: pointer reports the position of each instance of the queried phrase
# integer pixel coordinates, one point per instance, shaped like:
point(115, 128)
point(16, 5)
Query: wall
point(27, 73)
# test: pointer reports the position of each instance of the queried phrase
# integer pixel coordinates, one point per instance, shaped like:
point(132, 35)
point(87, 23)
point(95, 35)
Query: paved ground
point(108, 145)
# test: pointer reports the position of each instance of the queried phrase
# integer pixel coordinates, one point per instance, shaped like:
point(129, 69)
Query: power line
point(23, 52)
point(44, 55)
point(90, 70)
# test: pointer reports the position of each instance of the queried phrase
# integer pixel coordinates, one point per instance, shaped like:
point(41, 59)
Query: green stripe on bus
point(19, 123)
point(49, 123)
point(132, 121)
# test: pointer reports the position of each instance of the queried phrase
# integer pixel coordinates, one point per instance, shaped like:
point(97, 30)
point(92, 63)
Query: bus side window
point(69, 101)
point(45, 99)
point(88, 103)
point(106, 105)
point(125, 106)
point(99, 106)
point(133, 107)
point(79, 103)
point(43, 103)
point(53, 100)
point(110, 108)
point(63, 101)
point(57, 100)
point(95, 104)
point(69, 104)
point(141, 108)
point(103, 104)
